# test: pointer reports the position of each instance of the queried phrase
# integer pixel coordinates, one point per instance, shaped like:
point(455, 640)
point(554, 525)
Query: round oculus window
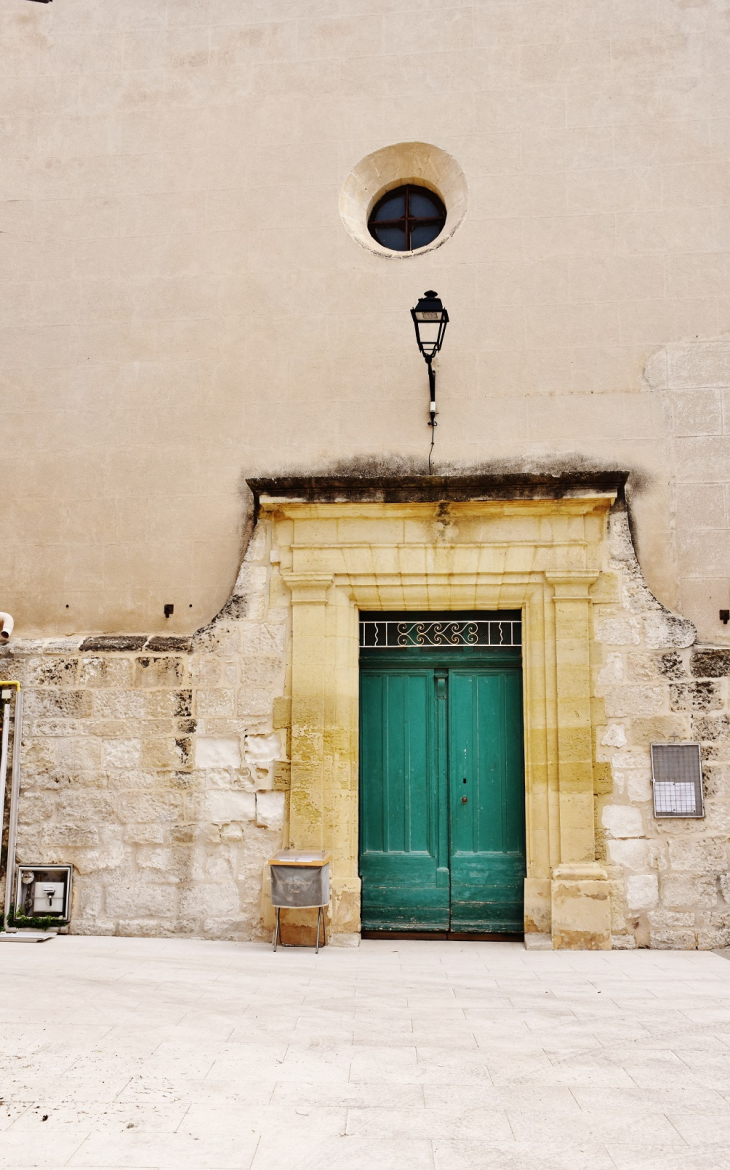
point(407, 218)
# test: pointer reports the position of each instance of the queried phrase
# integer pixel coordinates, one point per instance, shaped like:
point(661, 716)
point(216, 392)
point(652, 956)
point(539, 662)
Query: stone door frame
point(544, 556)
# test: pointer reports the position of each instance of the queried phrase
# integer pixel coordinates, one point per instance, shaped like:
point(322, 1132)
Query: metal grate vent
point(677, 780)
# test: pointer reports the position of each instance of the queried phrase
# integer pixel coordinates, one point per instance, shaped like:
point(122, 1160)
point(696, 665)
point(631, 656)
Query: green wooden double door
point(442, 799)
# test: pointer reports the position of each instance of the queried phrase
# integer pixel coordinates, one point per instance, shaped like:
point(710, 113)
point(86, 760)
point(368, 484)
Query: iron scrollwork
point(393, 635)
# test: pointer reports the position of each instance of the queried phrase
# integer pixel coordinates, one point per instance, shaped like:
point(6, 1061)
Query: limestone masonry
point(160, 766)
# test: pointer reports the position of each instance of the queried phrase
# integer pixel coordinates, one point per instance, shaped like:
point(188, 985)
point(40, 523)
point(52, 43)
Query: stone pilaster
point(581, 914)
point(324, 680)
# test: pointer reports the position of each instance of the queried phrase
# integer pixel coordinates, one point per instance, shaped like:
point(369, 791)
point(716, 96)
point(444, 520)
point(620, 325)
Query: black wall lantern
point(430, 320)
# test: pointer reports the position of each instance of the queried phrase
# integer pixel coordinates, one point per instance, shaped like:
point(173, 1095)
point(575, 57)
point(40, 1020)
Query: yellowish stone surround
point(544, 556)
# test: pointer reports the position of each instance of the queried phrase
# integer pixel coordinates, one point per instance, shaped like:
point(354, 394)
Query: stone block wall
point(158, 766)
point(670, 878)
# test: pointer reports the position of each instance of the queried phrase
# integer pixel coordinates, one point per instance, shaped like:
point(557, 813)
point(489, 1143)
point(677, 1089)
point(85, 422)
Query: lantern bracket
point(430, 319)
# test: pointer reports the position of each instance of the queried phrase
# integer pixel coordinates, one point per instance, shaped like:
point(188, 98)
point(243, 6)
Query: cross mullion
point(407, 222)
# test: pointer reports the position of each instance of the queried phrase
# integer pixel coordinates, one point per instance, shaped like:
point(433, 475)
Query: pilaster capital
point(572, 586)
point(309, 588)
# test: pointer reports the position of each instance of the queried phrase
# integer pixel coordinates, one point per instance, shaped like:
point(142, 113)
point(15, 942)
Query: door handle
point(464, 799)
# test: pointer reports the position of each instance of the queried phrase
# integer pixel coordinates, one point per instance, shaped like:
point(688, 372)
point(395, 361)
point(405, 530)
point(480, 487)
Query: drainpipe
point(14, 786)
point(6, 696)
point(6, 626)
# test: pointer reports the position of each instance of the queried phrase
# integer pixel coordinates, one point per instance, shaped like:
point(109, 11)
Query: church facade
point(461, 624)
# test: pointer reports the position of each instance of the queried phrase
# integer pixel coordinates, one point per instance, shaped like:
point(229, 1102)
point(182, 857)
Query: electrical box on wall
point(48, 897)
point(676, 772)
point(43, 891)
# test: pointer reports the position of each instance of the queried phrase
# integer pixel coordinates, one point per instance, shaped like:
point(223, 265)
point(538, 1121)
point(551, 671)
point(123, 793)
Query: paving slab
point(179, 1053)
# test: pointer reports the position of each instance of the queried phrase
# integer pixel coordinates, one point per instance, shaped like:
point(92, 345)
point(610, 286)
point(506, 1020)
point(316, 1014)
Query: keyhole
point(465, 779)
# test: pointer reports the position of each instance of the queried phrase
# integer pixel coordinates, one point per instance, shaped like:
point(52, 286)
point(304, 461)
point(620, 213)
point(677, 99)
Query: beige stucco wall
point(181, 305)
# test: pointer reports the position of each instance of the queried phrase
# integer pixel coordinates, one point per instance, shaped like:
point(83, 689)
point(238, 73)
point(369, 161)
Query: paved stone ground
point(191, 1055)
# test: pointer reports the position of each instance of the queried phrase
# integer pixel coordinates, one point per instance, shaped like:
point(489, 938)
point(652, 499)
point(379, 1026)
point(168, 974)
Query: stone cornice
point(436, 488)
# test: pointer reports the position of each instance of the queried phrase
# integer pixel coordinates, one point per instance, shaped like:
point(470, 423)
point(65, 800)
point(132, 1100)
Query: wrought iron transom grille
point(397, 634)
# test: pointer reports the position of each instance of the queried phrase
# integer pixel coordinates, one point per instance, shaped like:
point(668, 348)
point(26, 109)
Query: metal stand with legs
point(300, 880)
point(277, 930)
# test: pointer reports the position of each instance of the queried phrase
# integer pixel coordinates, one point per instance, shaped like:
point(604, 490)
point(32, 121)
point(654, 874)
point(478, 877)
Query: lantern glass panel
point(428, 334)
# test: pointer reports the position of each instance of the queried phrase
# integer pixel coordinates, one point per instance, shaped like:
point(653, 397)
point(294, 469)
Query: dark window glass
point(422, 234)
point(408, 217)
point(421, 203)
point(392, 207)
point(391, 237)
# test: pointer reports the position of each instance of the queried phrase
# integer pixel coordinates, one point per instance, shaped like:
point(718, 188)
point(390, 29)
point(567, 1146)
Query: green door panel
point(487, 862)
point(399, 805)
point(430, 736)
